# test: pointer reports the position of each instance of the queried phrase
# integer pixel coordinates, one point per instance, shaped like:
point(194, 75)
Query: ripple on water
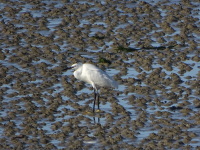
point(157, 102)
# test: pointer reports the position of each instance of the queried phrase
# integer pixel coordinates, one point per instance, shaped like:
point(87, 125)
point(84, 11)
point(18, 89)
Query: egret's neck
point(77, 73)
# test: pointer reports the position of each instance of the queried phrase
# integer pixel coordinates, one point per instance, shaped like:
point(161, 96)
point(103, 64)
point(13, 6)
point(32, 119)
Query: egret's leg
point(98, 100)
point(95, 95)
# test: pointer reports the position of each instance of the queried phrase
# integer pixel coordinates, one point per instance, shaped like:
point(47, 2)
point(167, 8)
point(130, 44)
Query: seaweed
point(103, 60)
point(131, 49)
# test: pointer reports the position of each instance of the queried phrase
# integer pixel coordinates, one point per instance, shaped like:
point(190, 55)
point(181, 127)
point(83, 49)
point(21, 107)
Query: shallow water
point(44, 107)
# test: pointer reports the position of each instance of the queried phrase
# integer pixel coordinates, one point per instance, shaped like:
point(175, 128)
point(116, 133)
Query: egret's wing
point(101, 78)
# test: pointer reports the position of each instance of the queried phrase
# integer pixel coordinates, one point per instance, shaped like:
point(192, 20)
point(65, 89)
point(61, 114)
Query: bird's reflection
point(96, 120)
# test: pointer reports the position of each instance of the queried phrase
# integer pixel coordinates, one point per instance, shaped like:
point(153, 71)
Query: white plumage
point(93, 75)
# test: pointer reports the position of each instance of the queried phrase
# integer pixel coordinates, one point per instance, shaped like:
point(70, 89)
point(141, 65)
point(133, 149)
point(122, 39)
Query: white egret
point(93, 75)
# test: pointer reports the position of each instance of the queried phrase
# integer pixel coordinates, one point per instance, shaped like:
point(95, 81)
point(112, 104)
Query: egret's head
point(74, 66)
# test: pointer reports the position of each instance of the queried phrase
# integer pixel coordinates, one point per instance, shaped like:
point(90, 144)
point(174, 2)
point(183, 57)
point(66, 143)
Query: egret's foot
point(87, 112)
point(98, 111)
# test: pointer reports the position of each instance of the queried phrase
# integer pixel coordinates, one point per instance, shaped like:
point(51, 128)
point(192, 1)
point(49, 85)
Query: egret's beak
point(67, 68)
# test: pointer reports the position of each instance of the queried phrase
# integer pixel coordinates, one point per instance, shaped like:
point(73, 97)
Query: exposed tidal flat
point(151, 48)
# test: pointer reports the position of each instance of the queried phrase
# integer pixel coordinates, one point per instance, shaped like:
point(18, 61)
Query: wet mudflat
point(150, 48)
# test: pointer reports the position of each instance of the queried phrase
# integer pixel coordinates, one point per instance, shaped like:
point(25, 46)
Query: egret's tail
point(114, 84)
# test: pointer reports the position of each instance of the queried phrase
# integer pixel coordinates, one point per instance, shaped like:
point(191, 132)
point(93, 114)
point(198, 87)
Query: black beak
point(67, 68)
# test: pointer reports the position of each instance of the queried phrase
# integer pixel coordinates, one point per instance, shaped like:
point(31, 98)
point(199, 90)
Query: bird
point(94, 76)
